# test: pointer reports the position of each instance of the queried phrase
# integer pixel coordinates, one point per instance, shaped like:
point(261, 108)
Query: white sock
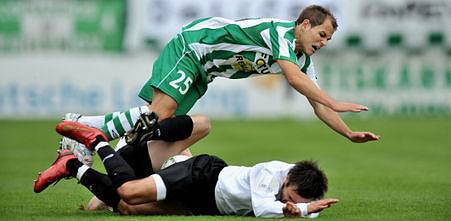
point(100, 145)
point(93, 121)
point(81, 171)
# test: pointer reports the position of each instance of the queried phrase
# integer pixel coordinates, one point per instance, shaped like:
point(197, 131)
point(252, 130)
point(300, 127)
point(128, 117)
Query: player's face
point(311, 38)
point(289, 194)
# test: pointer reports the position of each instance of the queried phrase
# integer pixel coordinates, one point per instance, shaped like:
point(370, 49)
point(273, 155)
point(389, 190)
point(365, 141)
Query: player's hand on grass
point(362, 137)
point(319, 205)
point(290, 210)
point(348, 107)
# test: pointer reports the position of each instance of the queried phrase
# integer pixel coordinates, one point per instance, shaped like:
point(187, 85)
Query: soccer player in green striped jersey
point(217, 47)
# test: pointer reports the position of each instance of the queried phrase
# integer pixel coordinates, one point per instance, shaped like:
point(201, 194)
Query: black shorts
point(138, 159)
point(192, 183)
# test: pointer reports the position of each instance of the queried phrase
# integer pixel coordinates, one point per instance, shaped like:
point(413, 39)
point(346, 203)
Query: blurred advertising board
point(415, 24)
point(390, 84)
point(366, 24)
point(62, 25)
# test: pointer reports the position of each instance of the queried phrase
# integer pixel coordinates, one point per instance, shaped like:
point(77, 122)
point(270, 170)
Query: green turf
point(404, 176)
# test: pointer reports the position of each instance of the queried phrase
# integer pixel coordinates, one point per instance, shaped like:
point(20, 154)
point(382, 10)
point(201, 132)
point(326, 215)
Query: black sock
point(116, 167)
point(72, 166)
point(101, 186)
point(174, 129)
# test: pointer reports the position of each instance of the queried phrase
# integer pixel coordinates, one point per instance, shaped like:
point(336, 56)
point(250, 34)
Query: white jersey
point(252, 190)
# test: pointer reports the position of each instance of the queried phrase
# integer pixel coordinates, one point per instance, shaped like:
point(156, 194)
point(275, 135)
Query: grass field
point(404, 176)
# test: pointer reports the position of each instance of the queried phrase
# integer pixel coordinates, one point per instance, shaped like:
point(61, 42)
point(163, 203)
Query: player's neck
point(297, 42)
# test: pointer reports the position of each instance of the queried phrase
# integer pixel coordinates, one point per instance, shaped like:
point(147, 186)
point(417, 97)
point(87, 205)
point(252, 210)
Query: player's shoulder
point(275, 165)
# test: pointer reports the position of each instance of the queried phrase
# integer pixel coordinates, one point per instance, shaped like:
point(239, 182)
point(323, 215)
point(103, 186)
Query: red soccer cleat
point(80, 132)
point(55, 172)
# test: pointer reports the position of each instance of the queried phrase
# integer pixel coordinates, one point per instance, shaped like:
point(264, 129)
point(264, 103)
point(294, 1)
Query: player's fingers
point(332, 201)
point(359, 108)
point(374, 136)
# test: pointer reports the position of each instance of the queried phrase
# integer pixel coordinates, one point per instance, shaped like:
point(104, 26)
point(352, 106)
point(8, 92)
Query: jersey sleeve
point(264, 188)
point(277, 38)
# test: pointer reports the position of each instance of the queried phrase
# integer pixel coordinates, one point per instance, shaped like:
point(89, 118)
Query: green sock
point(116, 126)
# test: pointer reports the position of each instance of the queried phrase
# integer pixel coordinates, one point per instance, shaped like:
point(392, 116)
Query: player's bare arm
point(334, 121)
point(299, 81)
point(153, 208)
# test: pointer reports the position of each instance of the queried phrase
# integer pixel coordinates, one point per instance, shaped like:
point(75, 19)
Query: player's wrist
point(304, 209)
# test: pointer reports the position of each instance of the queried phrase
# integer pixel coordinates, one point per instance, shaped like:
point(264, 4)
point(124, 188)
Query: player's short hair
point(310, 180)
point(317, 15)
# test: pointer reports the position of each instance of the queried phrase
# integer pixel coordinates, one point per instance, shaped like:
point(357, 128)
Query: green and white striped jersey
point(244, 48)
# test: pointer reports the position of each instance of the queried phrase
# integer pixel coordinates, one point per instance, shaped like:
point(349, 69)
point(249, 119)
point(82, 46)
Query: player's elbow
point(125, 209)
point(291, 80)
point(128, 193)
point(261, 211)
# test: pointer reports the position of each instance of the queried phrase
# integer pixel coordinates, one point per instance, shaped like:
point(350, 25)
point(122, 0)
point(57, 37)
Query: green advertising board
point(63, 25)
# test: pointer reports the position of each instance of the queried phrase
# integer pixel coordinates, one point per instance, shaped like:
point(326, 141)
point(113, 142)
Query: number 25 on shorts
point(177, 83)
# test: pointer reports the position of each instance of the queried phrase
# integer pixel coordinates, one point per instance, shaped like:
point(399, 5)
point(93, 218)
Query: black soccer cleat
point(143, 129)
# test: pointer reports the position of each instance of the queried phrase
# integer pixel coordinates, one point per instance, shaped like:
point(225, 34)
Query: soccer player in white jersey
point(217, 47)
point(203, 185)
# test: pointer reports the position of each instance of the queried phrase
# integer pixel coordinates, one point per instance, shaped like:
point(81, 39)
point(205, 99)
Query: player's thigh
point(189, 100)
point(160, 151)
point(163, 104)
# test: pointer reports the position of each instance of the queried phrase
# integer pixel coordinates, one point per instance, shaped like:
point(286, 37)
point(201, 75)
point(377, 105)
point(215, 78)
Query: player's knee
point(95, 204)
point(203, 124)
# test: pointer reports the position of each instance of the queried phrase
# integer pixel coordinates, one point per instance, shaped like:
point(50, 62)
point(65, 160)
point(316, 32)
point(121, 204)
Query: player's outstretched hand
point(290, 210)
point(349, 107)
point(319, 205)
point(362, 137)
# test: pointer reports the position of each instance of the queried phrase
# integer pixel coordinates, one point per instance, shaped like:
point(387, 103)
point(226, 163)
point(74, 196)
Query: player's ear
point(305, 25)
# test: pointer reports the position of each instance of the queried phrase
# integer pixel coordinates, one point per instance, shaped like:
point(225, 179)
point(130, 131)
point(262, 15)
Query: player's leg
point(94, 139)
point(138, 157)
point(122, 176)
point(139, 130)
point(98, 121)
point(156, 152)
point(191, 182)
point(162, 104)
point(177, 182)
point(67, 165)
point(160, 151)
point(117, 124)
point(175, 73)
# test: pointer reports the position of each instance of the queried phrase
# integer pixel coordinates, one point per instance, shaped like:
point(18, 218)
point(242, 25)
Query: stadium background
point(92, 56)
